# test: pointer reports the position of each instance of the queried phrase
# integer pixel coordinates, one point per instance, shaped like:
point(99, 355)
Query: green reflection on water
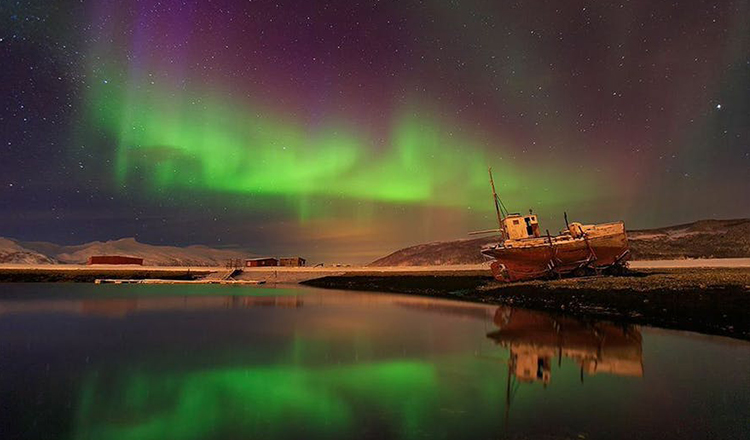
point(264, 401)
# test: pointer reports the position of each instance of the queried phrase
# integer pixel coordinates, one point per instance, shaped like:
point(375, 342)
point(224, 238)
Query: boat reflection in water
point(154, 362)
point(536, 340)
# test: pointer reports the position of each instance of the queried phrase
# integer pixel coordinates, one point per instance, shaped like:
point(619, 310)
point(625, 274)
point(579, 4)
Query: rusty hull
point(597, 247)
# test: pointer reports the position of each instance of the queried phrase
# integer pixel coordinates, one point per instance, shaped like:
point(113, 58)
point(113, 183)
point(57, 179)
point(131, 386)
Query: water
point(198, 362)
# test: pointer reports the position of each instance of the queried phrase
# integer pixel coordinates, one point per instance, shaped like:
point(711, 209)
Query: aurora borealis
point(343, 130)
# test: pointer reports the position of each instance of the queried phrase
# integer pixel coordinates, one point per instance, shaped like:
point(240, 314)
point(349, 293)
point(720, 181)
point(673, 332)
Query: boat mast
point(497, 205)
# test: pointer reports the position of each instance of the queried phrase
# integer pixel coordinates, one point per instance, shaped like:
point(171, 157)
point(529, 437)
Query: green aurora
point(178, 140)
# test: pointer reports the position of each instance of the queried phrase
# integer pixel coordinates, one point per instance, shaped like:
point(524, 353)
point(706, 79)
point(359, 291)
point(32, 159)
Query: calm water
point(198, 362)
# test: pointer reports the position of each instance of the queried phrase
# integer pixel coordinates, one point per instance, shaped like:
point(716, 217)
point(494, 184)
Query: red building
point(114, 259)
point(261, 262)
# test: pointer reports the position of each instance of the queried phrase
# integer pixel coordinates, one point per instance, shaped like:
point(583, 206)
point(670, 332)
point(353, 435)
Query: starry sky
point(344, 130)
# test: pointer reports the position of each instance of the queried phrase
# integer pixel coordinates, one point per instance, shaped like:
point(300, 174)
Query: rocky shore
point(713, 301)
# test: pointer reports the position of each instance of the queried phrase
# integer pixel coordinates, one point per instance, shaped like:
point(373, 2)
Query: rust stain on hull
point(597, 247)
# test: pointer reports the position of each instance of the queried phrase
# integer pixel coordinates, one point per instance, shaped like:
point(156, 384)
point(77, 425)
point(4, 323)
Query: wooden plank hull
point(542, 257)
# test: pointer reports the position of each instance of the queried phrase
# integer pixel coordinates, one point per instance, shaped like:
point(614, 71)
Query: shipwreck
point(524, 253)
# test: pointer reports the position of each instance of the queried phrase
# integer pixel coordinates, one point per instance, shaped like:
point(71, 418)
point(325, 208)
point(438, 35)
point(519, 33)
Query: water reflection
point(156, 362)
point(119, 307)
point(274, 401)
point(535, 340)
point(122, 307)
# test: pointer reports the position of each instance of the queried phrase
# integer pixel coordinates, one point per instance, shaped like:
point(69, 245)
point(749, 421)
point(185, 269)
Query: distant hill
point(438, 253)
point(18, 252)
point(701, 239)
point(12, 252)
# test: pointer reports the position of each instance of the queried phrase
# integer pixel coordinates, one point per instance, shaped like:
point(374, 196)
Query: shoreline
point(706, 296)
point(711, 301)
point(282, 274)
point(272, 274)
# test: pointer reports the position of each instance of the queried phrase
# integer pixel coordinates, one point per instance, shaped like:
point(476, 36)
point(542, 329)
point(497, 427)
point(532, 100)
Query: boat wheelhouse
point(523, 252)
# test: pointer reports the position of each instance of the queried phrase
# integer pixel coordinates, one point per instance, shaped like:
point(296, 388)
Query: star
point(718, 106)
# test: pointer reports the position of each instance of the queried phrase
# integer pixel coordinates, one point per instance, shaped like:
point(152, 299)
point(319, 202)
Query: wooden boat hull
point(543, 257)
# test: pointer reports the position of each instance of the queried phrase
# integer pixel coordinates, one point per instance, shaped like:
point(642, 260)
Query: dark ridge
point(701, 239)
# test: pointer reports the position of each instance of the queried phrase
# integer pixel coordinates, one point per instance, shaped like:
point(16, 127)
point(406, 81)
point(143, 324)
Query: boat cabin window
point(532, 226)
point(520, 227)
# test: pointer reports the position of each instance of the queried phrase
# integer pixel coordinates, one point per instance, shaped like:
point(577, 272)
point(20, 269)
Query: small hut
point(261, 262)
point(292, 261)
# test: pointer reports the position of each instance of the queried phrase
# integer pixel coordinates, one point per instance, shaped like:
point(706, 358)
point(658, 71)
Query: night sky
point(344, 130)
